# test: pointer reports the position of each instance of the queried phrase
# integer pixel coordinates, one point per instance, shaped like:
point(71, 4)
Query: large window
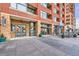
point(61, 15)
point(31, 9)
point(45, 29)
point(24, 7)
point(19, 6)
point(43, 14)
point(55, 4)
point(55, 11)
point(13, 5)
point(54, 18)
point(44, 4)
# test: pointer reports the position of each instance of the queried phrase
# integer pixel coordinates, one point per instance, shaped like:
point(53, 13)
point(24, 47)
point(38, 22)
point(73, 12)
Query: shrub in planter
point(2, 38)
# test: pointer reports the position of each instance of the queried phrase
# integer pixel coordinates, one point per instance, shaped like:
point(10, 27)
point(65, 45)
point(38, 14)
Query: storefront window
point(13, 28)
point(45, 29)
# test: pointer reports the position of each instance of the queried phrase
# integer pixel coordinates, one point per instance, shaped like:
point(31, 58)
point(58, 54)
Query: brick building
point(30, 19)
point(70, 16)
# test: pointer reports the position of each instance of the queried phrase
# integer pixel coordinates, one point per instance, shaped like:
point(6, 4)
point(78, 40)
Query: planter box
point(2, 39)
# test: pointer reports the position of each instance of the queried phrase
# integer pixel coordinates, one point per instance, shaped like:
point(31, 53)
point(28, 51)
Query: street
point(44, 46)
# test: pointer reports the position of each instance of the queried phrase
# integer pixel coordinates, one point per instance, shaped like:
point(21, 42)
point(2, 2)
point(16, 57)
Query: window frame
point(43, 14)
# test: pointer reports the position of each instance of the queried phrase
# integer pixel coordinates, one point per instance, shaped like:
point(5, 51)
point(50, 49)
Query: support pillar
point(6, 30)
point(38, 28)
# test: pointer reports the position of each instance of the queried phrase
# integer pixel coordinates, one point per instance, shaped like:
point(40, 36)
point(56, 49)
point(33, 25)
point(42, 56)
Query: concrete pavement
point(70, 46)
point(44, 46)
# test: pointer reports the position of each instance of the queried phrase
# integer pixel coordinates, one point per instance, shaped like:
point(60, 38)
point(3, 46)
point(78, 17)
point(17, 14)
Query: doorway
point(20, 30)
point(32, 29)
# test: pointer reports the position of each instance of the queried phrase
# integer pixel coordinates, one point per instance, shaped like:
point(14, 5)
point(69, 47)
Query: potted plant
point(2, 38)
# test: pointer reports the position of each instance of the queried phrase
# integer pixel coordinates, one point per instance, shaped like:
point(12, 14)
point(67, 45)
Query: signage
point(3, 21)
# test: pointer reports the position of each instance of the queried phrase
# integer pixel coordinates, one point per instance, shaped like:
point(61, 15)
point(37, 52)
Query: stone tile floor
point(44, 46)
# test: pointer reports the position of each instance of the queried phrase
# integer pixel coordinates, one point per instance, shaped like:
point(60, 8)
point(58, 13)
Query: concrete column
point(0, 28)
point(38, 28)
point(27, 29)
point(52, 29)
point(6, 30)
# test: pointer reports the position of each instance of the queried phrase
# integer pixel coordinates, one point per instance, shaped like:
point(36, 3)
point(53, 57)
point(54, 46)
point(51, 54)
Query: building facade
point(31, 19)
point(70, 16)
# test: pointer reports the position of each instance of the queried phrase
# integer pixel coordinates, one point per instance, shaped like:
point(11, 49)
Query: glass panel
point(30, 10)
point(13, 5)
point(44, 4)
point(44, 14)
point(55, 11)
point(32, 29)
point(21, 7)
point(55, 3)
point(54, 18)
point(13, 28)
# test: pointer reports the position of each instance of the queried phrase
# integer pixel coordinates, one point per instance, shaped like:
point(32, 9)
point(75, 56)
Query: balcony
point(58, 13)
point(67, 23)
point(58, 5)
point(58, 20)
point(31, 9)
point(33, 4)
point(47, 5)
point(49, 16)
point(56, 23)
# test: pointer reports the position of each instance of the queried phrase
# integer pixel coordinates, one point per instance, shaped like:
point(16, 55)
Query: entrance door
point(32, 29)
point(20, 30)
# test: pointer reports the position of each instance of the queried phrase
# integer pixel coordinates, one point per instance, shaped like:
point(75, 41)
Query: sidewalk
point(29, 47)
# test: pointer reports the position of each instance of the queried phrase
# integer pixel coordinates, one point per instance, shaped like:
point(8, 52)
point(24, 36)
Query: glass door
point(20, 30)
point(32, 29)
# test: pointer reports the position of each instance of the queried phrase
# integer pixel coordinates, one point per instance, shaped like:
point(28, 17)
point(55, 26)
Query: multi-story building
point(69, 16)
point(30, 19)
